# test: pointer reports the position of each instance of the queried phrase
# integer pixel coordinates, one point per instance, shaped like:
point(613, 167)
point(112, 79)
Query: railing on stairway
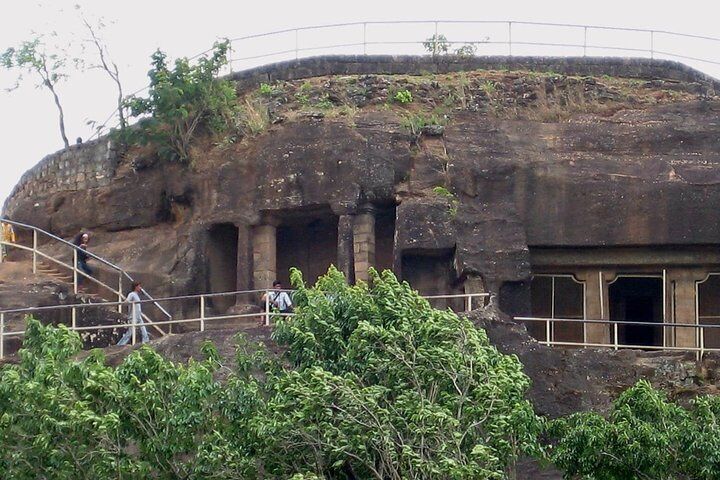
point(124, 280)
point(204, 315)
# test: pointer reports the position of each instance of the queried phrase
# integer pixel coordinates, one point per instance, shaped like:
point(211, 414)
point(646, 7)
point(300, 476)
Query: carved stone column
point(346, 247)
point(264, 246)
point(364, 241)
point(244, 258)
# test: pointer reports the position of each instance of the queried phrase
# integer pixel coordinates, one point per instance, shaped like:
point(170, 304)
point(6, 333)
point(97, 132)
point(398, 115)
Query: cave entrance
point(222, 255)
point(432, 272)
point(309, 242)
point(637, 299)
point(384, 237)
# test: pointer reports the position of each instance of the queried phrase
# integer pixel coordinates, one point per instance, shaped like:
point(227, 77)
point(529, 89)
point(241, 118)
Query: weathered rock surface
point(531, 160)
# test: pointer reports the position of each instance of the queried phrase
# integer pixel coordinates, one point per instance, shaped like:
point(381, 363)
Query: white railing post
point(365, 38)
point(547, 332)
point(202, 313)
point(74, 318)
point(267, 308)
point(297, 44)
point(510, 38)
point(35, 245)
point(615, 334)
point(75, 271)
point(652, 44)
point(132, 323)
point(120, 295)
point(468, 303)
point(702, 342)
point(2, 335)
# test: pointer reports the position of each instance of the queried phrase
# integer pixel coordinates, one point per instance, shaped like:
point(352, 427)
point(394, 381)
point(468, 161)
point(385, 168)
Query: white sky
point(28, 119)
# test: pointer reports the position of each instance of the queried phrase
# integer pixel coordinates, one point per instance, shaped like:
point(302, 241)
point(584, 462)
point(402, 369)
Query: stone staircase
point(87, 292)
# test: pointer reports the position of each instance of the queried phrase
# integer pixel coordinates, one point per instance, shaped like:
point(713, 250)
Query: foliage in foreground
point(381, 386)
point(181, 102)
point(375, 384)
point(644, 437)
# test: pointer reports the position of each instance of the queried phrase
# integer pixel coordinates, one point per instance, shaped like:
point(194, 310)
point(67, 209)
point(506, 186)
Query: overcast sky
point(28, 119)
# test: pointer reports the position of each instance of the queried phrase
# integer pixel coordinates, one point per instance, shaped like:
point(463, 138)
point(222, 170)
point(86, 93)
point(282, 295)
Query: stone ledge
point(419, 65)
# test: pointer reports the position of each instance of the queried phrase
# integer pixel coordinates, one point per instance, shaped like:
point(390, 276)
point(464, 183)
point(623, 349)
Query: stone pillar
point(264, 247)
point(364, 242)
point(596, 307)
point(245, 258)
point(346, 247)
point(681, 288)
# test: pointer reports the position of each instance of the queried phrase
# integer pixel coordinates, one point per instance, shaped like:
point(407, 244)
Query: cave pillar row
point(346, 247)
point(364, 242)
point(264, 255)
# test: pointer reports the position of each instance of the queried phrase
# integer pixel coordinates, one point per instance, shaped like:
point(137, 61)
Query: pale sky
point(28, 118)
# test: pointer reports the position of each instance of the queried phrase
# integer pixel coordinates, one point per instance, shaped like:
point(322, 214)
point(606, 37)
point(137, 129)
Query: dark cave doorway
point(432, 273)
point(308, 242)
point(637, 299)
point(222, 256)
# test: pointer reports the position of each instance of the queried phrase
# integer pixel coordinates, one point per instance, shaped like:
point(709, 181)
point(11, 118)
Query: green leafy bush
point(266, 90)
point(645, 436)
point(414, 122)
point(182, 101)
point(403, 96)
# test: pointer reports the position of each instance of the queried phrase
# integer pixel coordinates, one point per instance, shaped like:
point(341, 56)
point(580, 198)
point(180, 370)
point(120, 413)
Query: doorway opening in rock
point(432, 272)
point(222, 257)
point(384, 237)
point(307, 241)
point(637, 299)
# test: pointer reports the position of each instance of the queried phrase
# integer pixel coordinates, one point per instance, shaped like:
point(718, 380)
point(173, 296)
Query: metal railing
point(487, 38)
point(204, 309)
point(124, 280)
point(496, 37)
point(612, 333)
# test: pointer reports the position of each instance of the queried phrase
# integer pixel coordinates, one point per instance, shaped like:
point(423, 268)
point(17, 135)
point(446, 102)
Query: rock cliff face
point(482, 166)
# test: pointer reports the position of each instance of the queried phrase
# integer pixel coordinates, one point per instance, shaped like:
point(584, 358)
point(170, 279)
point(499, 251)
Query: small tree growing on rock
point(49, 67)
point(183, 100)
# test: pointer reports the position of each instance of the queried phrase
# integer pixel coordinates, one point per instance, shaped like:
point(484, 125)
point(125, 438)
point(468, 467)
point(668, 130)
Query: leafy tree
point(644, 437)
point(35, 57)
point(182, 100)
point(395, 388)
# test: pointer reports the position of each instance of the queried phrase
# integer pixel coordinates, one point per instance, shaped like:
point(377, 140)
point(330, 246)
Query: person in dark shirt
point(81, 241)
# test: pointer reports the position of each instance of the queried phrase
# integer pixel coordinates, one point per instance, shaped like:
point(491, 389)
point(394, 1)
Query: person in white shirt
point(135, 315)
point(278, 299)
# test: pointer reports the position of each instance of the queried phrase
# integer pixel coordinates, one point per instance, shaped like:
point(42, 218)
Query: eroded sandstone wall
point(636, 175)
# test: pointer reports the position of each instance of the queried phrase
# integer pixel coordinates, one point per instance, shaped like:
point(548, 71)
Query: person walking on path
point(279, 299)
point(81, 242)
point(135, 315)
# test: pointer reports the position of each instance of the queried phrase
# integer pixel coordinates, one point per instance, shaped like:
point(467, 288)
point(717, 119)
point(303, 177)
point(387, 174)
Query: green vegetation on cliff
point(374, 383)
